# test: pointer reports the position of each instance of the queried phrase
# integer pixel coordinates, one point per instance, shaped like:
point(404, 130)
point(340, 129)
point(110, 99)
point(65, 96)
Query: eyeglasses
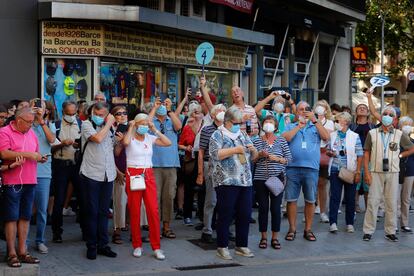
point(162, 128)
point(121, 113)
point(27, 122)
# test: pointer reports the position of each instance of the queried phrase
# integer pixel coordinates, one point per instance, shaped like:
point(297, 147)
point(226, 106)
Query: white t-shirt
point(139, 153)
point(329, 125)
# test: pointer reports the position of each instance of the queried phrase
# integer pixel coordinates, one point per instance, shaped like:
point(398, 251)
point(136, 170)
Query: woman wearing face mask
point(119, 196)
point(323, 113)
point(346, 151)
point(231, 151)
point(274, 154)
point(407, 177)
point(186, 143)
point(138, 146)
point(278, 108)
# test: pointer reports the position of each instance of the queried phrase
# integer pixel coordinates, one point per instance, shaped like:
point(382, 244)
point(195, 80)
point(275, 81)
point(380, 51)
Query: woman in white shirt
point(138, 144)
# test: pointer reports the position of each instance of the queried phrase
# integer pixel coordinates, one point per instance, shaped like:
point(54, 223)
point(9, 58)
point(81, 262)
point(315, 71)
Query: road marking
point(344, 263)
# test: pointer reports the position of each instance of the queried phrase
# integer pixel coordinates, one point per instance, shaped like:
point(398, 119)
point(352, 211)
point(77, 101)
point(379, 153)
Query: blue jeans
point(335, 199)
point(41, 201)
point(97, 197)
point(233, 202)
point(305, 178)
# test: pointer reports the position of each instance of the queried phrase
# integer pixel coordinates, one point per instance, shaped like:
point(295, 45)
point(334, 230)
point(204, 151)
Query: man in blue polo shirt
point(304, 139)
point(165, 162)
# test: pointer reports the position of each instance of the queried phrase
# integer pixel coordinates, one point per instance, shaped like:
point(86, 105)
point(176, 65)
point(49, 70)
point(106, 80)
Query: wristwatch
point(400, 155)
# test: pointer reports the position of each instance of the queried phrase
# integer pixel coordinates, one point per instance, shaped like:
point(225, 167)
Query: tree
point(398, 34)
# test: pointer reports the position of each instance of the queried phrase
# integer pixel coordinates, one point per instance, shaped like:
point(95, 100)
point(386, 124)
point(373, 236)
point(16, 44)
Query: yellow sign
point(103, 40)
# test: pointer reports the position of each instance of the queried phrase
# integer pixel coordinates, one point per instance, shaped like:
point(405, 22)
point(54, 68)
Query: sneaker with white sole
point(350, 228)
point(333, 228)
point(324, 218)
point(42, 248)
point(159, 254)
point(391, 237)
point(224, 253)
point(244, 251)
point(317, 210)
point(68, 212)
point(137, 252)
point(380, 213)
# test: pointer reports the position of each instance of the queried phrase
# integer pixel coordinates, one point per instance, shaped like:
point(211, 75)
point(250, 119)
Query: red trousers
point(151, 206)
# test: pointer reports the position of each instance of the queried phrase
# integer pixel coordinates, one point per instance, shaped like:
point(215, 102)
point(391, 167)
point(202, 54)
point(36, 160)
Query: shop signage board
point(59, 38)
point(240, 5)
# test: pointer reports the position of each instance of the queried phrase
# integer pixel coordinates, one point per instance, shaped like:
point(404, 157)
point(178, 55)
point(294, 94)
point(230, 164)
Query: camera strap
point(385, 142)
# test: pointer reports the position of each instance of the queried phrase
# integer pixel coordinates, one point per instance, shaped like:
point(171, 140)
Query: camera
point(308, 108)
point(385, 165)
point(342, 153)
point(38, 103)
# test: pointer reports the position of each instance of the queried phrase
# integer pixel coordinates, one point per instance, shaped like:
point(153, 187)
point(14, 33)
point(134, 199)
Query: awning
point(156, 20)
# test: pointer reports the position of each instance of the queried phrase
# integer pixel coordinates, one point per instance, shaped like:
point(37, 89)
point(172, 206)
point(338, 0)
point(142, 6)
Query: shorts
point(305, 178)
point(17, 202)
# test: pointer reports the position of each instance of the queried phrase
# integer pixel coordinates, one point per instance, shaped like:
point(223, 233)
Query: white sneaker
point(339, 211)
point(42, 248)
point(333, 228)
point(244, 251)
point(317, 210)
point(224, 253)
point(380, 213)
point(67, 212)
point(137, 252)
point(350, 228)
point(324, 218)
point(159, 254)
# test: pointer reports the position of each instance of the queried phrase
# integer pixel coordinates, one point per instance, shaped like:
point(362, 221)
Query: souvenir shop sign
point(103, 40)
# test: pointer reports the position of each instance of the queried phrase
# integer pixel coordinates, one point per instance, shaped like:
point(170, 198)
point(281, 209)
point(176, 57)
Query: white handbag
point(137, 182)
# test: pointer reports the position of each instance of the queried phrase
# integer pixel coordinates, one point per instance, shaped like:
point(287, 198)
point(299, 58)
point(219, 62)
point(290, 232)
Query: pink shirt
point(14, 140)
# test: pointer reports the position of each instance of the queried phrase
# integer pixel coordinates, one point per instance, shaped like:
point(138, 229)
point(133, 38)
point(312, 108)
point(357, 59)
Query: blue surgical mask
point(235, 128)
point(97, 120)
point(142, 130)
point(162, 110)
point(387, 120)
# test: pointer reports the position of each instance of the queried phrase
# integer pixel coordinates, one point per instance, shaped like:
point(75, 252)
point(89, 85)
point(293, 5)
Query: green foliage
point(398, 32)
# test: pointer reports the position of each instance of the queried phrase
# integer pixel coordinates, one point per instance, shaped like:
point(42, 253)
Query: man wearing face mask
point(217, 113)
point(97, 174)
point(278, 108)
point(165, 163)
point(65, 166)
point(382, 150)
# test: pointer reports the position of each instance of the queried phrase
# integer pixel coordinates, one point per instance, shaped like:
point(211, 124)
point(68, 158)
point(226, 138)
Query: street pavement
point(332, 254)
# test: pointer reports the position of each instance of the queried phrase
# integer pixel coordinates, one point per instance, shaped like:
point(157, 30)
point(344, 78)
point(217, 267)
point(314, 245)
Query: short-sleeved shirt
point(98, 159)
point(166, 157)
point(249, 110)
point(206, 133)
point(139, 153)
point(282, 118)
point(229, 171)
point(305, 147)
point(14, 140)
point(362, 130)
point(67, 131)
point(266, 168)
point(44, 169)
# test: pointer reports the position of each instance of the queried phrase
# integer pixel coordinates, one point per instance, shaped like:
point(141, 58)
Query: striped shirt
point(280, 148)
point(205, 136)
point(341, 160)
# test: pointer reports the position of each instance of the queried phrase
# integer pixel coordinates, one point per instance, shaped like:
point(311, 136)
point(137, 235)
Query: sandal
point(116, 238)
point(169, 234)
point(263, 243)
point(13, 261)
point(275, 244)
point(308, 235)
point(290, 236)
point(28, 259)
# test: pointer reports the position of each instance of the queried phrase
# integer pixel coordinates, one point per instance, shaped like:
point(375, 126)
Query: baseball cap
point(82, 88)
point(81, 67)
point(69, 86)
point(51, 66)
point(50, 86)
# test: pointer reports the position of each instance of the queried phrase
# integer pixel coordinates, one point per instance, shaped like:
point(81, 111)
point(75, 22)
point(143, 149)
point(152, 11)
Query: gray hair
point(141, 117)
point(148, 106)
point(193, 107)
point(100, 106)
point(100, 94)
point(405, 120)
point(278, 99)
point(23, 111)
point(67, 103)
point(345, 116)
point(391, 109)
point(233, 114)
point(218, 107)
point(302, 103)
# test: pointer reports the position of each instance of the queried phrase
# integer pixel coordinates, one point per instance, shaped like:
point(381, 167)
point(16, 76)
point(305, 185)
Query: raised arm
point(183, 102)
point(204, 91)
point(371, 106)
point(260, 105)
point(101, 134)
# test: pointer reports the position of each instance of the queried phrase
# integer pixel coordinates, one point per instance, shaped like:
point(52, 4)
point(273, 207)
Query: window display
point(66, 79)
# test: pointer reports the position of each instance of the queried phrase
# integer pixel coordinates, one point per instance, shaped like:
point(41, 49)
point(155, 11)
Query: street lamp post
point(382, 56)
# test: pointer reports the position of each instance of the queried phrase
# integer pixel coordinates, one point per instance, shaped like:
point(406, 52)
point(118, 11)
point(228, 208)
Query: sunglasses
point(121, 113)
point(391, 115)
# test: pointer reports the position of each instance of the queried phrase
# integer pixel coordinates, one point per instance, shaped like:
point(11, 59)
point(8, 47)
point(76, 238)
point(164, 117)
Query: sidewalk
point(69, 258)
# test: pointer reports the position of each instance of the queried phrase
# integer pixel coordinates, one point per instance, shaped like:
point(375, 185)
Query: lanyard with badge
point(385, 142)
point(302, 131)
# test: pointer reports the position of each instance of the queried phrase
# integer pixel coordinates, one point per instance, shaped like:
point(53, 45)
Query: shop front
point(129, 65)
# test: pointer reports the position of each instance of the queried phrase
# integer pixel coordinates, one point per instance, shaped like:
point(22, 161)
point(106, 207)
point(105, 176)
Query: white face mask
point(303, 119)
point(406, 129)
point(320, 110)
point(339, 127)
point(220, 116)
point(268, 128)
point(279, 107)
point(69, 119)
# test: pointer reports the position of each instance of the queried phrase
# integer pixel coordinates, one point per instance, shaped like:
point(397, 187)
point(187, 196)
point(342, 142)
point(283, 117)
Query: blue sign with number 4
point(204, 53)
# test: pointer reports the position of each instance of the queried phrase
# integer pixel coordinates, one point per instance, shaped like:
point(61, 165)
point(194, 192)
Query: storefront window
point(219, 82)
point(66, 79)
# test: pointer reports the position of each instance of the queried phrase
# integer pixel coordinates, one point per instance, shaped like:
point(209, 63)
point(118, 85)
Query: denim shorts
point(17, 202)
point(305, 178)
